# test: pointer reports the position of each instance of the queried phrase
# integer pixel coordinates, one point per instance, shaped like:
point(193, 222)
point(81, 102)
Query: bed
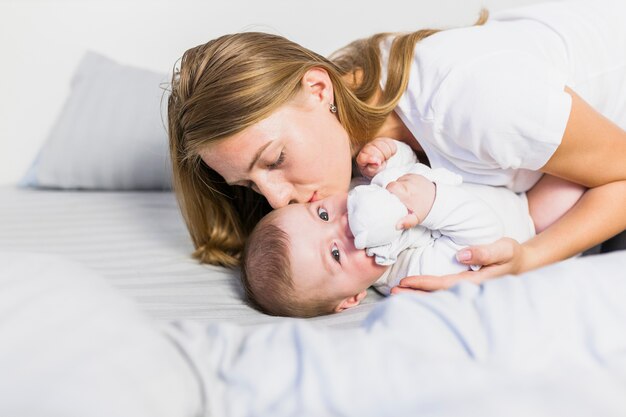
point(138, 242)
point(110, 317)
point(103, 311)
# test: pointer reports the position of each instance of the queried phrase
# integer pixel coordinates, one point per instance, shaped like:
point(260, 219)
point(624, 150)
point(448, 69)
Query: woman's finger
point(499, 252)
point(505, 254)
point(428, 282)
point(443, 282)
point(400, 290)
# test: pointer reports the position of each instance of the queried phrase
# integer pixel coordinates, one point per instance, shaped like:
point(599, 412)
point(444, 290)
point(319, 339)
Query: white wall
point(41, 41)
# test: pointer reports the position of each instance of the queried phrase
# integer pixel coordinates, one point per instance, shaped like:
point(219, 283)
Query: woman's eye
point(322, 213)
point(335, 252)
point(278, 162)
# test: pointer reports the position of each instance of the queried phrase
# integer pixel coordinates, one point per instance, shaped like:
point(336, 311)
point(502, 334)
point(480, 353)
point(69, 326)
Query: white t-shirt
point(488, 102)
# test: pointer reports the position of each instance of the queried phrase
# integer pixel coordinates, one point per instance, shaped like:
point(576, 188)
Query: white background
point(41, 42)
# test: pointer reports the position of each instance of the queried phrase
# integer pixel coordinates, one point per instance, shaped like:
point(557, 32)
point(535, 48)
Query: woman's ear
point(317, 85)
point(350, 302)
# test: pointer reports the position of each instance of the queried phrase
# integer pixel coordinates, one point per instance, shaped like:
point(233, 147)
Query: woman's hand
point(372, 157)
point(504, 256)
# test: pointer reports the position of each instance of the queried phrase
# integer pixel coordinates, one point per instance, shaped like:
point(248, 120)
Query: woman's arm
point(593, 149)
point(592, 153)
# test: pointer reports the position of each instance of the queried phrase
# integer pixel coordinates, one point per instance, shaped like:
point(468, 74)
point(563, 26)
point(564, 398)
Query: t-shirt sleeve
point(508, 109)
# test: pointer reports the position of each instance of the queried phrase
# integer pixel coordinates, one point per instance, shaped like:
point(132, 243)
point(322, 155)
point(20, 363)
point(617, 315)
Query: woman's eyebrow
point(258, 155)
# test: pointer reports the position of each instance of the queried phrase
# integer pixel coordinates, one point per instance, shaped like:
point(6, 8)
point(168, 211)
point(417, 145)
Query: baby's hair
point(266, 274)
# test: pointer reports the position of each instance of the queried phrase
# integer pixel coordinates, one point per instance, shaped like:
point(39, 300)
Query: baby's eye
point(335, 252)
point(322, 213)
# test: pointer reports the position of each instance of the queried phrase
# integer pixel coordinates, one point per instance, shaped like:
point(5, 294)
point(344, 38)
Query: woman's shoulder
point(495, 83)
point(467, 47)
point(509, 107)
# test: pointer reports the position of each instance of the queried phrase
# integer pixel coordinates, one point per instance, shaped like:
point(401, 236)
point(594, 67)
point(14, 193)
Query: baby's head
point(300, 261)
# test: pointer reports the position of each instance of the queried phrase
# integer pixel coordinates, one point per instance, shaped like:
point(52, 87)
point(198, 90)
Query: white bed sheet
point(138, 242)
point(551, 342)
point(548, 343)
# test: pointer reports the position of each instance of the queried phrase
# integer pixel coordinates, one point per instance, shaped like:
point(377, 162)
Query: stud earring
point(333, 108)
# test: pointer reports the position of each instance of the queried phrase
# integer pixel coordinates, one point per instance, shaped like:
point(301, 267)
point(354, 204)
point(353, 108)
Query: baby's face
point(324, 259)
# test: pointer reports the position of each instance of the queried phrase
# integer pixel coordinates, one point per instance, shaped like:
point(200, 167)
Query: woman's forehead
point(241, 149)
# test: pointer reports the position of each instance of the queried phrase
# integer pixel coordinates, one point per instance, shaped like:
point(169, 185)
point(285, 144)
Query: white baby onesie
point(461, 215)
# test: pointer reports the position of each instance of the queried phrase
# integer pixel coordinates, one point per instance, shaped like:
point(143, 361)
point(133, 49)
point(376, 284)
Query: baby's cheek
point(368, 265)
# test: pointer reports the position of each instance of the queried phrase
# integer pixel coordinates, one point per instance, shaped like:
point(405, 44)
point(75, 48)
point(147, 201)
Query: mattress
point(138, 242)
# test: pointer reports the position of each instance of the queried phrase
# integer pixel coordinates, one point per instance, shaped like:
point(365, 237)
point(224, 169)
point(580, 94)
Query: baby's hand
point(417, 193)
point(373, 157)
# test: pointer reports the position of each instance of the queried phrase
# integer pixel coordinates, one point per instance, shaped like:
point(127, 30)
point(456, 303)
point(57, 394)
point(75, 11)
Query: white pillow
point(109, 135)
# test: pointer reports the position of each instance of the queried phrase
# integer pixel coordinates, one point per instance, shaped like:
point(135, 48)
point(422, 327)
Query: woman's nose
point(277, 194)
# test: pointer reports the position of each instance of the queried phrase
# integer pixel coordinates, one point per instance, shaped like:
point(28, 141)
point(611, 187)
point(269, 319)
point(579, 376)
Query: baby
point(317, 258)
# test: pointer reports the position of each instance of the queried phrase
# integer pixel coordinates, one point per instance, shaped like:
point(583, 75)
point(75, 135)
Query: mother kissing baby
point(258, 122)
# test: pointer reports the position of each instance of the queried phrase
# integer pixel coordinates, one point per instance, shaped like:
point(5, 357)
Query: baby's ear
point(350, 302)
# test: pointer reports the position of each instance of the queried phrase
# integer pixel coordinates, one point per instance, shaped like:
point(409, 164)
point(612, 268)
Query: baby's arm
point(550, 199)
point(457, 219)
point(462, 217)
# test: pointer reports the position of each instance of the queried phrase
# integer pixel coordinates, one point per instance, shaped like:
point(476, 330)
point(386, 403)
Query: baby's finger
point(408, 221)
point(386, 147)
point(369, 157)
point(365, 158)
point(371, 170)
point(401, 190)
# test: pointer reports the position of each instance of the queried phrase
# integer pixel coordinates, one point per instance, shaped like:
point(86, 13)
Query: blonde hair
point(231, 83)
point(267, 278)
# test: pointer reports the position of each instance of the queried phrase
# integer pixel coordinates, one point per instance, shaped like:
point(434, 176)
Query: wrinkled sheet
point(549, 343)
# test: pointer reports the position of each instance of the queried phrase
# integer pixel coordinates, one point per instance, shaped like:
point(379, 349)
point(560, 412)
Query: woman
point(501, 103)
